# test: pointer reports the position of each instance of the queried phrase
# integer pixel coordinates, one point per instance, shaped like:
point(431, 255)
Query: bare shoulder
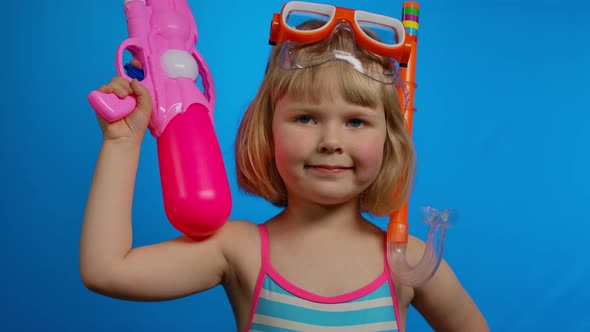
point(443, 301)
point(240, 241)
point(238, 236)
point(233, 228)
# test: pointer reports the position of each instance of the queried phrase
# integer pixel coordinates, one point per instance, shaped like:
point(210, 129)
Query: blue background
point(501, 132)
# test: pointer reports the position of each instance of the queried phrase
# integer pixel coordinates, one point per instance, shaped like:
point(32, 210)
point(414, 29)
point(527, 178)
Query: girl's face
point(327, 152)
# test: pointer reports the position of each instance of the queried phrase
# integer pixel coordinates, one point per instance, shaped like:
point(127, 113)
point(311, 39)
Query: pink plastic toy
point(162, 36)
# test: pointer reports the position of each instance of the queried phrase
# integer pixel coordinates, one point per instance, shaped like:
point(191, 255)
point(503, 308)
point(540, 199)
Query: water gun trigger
point(133, 46)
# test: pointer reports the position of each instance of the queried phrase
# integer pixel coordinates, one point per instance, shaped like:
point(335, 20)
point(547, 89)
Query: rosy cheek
point(284, 146)
point(373, 156)
point(288, 146)
point(369, 151)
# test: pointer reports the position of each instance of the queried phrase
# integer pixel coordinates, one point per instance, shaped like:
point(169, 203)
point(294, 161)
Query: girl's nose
point(330, 141)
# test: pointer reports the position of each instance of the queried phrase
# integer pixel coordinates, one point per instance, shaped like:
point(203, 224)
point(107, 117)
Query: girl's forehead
point(333, 103)
point(324, 87)
point(335, 82)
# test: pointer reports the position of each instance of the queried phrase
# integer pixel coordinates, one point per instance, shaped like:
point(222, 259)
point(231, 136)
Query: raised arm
point(108, 264)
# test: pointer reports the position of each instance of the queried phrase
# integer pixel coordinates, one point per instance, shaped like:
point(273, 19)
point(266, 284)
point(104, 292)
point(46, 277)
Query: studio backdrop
point(501, 131)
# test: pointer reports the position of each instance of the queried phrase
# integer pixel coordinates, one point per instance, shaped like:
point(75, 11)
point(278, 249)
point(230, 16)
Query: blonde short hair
point(254, 149)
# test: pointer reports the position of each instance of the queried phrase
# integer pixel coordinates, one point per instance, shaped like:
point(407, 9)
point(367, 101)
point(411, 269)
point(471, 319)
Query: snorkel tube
point(397, 231)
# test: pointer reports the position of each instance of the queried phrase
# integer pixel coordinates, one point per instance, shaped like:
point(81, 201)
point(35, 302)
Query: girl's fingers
point(144, 100)
point(119, 86)
point(107, 88)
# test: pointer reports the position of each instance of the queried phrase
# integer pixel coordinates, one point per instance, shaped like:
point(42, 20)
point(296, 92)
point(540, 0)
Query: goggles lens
point(380, 33)
point(296, 18)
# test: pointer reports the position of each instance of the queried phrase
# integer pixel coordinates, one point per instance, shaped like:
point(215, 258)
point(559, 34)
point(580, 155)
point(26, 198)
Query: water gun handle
point(107, 105)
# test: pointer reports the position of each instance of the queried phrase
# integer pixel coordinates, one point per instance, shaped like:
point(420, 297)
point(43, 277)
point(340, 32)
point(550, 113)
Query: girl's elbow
point(96, 280)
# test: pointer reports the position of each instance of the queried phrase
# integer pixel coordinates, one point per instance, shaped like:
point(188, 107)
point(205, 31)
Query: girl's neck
point(312, 216)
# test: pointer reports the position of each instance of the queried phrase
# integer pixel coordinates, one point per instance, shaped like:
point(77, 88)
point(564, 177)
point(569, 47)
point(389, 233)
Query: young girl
point(325, 139)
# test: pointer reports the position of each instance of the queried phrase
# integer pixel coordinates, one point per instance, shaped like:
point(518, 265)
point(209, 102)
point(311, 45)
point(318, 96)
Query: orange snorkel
point(397, 230)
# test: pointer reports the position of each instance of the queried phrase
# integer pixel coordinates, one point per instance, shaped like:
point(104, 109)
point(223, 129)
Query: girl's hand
point(132, 128)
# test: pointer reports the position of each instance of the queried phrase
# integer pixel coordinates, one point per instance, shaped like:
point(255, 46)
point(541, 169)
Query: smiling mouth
point(329, 168)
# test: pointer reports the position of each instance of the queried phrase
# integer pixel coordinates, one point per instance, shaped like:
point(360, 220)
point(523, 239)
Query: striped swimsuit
point(280, 306)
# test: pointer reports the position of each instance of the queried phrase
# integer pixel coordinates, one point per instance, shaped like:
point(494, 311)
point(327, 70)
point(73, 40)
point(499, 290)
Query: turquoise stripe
point(378, 293)
point(271, 285)
point(324, 318)
point(268, 328)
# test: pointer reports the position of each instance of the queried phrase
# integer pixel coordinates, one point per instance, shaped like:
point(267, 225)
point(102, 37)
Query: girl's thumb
point(142, 96)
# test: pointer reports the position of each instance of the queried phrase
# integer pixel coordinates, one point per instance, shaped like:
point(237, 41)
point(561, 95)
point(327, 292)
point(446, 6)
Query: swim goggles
point(307, 32)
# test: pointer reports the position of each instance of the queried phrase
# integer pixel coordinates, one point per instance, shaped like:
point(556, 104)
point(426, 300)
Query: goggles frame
point(280, 31)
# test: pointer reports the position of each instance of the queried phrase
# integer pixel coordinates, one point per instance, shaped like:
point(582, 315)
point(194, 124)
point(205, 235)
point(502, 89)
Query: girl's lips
point(329, 168)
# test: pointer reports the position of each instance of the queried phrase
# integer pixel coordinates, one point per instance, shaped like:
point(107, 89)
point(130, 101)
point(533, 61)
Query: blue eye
point(304, 119)
point(356, 123)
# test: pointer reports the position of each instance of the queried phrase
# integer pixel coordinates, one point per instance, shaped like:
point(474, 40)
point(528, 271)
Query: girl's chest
point(327, 271)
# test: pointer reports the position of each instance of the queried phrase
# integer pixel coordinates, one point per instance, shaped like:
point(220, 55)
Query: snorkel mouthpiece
point(416, 275)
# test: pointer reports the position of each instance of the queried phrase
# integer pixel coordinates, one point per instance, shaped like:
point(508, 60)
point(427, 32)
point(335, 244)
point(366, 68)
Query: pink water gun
point(162, 36)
